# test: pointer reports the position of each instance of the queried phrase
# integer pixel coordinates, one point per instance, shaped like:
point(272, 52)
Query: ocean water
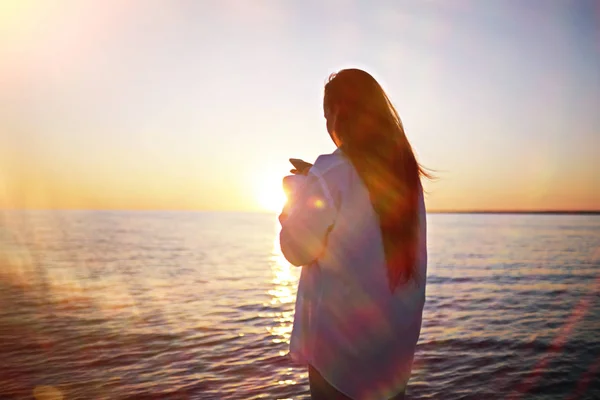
point(178, 305)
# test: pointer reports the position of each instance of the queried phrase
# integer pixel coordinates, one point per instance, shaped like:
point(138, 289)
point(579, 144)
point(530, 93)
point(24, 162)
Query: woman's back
point(365, 334)
point(358, 228)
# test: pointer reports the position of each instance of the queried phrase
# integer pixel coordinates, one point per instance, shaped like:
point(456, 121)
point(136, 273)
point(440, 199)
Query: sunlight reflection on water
point(285, 282)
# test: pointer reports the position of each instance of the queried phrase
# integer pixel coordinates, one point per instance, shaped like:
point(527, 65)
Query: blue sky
point(199, 104)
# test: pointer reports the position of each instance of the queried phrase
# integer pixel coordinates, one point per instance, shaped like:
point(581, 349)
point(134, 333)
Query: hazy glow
point(271, 196)
point(198, 105)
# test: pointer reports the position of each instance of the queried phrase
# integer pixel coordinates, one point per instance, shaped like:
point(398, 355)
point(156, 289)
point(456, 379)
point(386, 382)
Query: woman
point(356, 223)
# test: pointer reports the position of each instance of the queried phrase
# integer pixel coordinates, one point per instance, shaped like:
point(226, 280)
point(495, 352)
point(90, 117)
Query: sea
point(199, 305)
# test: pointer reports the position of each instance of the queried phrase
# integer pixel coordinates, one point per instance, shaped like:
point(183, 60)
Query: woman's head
point(358, 111)
point(363, 122)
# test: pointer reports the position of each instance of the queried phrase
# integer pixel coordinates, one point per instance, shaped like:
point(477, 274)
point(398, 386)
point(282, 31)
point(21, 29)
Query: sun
point(270, 195)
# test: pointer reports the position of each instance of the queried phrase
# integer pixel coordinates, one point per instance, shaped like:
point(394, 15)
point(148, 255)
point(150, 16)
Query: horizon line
point(434, 211)
point(541, 211)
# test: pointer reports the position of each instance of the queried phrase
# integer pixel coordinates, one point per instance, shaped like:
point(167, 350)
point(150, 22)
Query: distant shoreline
point(541, 212)
point(491, 212)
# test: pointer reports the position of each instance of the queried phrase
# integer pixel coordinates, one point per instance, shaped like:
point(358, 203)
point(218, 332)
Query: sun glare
point(270, 196)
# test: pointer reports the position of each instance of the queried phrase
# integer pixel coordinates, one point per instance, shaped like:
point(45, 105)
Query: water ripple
point(116, 305)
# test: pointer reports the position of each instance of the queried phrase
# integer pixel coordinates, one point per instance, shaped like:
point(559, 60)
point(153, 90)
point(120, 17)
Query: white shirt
point(347, 323)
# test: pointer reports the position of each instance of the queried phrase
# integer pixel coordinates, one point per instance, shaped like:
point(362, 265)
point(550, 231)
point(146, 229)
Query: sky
point(197, 105)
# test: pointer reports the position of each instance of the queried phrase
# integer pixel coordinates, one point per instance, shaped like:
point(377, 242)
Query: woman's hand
point(301, 167)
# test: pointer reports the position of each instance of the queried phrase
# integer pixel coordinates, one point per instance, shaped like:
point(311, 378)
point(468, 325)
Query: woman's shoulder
point(328, 162)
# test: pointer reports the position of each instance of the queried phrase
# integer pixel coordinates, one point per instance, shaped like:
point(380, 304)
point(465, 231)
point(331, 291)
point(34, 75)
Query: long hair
point(372, 136)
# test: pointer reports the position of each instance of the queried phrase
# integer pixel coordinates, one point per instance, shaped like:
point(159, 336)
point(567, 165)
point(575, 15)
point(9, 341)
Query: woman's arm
point(306, 225)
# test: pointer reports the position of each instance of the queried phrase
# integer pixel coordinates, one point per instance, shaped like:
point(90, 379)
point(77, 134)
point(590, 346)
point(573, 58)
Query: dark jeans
point(320, 389)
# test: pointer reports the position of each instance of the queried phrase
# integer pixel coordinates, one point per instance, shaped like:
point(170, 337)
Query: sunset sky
point(174, 104)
